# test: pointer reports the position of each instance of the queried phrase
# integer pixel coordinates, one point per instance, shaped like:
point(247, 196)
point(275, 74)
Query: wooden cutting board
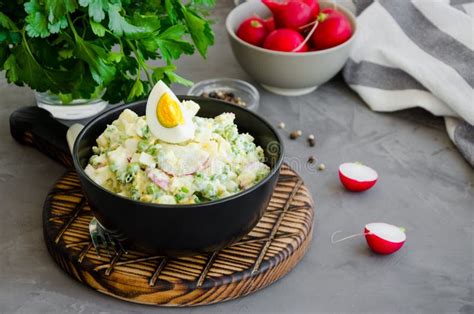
point(268, 252)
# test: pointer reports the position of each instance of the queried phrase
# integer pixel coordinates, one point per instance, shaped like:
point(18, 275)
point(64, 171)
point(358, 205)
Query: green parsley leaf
point(3, 56)
point(115, 57)
point(66, 53)
point(59, 25)
point(200, 30)
point(37, 23)
point(96, 57)
point(84, 85)
point(118, 90)
point(159, 72)
point(9, 37)
point(118, 24)
point(171, 11)
point(207, 3)
point(12, 70)
point(21, 67)
point(137, 91)
point(171, 45)
point(81, 48)
point(46, 55)
point(57, 9)
point(96, 8)
point(98, 29)
point(175, 78)
point(148, 23)
point(7, 23)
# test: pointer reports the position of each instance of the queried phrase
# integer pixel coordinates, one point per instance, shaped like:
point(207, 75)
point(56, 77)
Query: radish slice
point(357, 177)
point(159, 178)
point(384, 238)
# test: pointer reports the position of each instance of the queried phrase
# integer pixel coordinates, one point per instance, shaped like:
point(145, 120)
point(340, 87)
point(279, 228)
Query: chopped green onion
point(146, 131)
point(142, 146)
point(152, 189)
point(152, 151)
point(179, 197)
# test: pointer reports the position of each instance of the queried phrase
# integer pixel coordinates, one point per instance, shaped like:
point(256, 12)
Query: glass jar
point(245, 91)
point(74, 110)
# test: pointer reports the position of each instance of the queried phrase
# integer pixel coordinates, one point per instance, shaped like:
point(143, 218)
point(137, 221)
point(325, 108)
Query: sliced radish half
point(357, 177)
point(384, 238)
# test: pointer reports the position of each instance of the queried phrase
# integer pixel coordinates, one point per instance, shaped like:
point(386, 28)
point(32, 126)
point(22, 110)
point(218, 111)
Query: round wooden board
point(267, 253)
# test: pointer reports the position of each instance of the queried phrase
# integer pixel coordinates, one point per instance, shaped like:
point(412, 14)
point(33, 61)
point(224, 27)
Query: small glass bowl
point(247, 92)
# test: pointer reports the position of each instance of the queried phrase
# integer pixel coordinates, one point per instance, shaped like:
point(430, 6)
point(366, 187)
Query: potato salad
point(216, 162)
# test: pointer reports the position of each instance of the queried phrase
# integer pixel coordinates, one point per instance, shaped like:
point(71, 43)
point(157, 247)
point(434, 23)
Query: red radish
point(285, 40)
point(334, 29)
point(253, 31)
point(290, 13)
point(159, 178)
point(270, 24)
point(357, 177)
point(383, 238)
point(314, 7)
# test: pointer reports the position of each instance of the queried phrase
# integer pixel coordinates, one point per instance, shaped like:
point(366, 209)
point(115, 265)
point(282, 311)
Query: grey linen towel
point(417, 53)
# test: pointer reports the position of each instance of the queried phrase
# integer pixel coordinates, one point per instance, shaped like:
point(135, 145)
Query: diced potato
point(118, 159)
point(191, 106)
point(131, 146)
point(140, 126)
point(100, 175)
point(147, 160)
point(128, 116)
point(166, 199)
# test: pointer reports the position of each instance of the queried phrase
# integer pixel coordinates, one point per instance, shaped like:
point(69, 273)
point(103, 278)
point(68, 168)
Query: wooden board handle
point(37, 127)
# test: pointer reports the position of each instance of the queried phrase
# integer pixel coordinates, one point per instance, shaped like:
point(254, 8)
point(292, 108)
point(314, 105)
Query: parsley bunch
point(78, 48)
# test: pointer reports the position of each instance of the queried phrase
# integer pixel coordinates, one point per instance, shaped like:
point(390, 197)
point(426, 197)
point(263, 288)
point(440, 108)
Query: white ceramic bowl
point(286, 73)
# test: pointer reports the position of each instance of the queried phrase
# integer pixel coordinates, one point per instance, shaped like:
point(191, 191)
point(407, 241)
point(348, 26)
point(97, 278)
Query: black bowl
point(182, 229)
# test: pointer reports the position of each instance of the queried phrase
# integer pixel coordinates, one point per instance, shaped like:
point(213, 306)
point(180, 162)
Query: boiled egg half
point(168, 119)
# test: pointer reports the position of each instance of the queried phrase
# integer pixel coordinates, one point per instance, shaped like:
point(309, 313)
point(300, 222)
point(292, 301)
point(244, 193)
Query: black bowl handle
point(37, 127)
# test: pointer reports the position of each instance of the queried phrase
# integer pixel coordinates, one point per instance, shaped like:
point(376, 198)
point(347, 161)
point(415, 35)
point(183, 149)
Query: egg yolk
point(169, 112)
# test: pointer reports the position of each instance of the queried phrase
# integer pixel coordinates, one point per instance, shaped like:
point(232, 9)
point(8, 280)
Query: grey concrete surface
point(424, 185)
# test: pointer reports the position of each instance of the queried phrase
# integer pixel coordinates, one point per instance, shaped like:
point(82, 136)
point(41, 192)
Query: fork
point(102, 237)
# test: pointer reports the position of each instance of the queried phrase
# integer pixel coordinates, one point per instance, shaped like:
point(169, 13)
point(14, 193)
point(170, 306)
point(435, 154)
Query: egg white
point(177, 134)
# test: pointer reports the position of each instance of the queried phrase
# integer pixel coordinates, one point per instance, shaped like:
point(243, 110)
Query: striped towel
point(418, 53)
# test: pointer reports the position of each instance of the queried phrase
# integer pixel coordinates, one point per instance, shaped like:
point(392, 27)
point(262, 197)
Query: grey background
point(424, 185)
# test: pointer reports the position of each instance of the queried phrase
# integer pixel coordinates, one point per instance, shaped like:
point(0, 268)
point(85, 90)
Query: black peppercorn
point(226, 96)
point(295, 134)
